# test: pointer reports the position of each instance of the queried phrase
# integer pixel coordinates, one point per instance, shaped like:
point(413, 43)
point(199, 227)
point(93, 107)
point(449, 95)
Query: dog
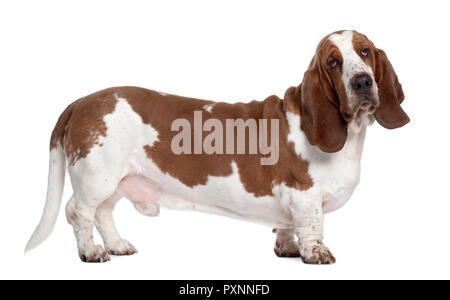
point(137, 143)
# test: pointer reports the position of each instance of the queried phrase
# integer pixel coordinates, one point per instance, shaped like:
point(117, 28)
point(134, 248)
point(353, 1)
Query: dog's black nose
point(362, 83)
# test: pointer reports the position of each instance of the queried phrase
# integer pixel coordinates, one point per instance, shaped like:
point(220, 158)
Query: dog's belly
point(224, 196)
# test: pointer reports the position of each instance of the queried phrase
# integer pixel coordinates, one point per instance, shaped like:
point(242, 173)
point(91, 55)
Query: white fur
point(55, 189)
point(208, 107)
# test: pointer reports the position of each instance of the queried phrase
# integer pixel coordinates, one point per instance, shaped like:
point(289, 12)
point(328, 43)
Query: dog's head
point(349, 83)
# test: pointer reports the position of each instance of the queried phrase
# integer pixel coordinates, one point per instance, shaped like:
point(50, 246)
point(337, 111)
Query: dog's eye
point(333, 63)
point(365, 52)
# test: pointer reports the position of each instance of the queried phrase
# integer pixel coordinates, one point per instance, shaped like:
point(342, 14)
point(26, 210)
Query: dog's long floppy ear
point(389, 114)
point(321, 119)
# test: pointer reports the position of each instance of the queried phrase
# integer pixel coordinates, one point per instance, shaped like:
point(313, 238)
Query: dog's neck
point(356, 134)
point(355, 143)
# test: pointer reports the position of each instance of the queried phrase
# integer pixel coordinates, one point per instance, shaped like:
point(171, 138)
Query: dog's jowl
point(280, 162)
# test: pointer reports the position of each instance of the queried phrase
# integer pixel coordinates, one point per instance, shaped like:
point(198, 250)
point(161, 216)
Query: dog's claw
point(97, 254)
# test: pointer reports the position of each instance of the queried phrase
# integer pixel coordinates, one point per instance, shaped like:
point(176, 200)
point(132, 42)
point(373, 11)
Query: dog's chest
point(335, 175)
point(336, 179)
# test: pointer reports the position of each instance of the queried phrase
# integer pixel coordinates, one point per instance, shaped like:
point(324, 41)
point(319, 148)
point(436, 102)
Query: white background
point(395, 226)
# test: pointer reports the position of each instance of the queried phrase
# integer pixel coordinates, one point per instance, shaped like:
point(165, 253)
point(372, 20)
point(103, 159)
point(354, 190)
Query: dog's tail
point(55, 187)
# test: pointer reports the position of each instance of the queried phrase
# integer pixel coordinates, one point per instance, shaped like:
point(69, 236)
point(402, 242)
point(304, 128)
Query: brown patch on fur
point(292, 101)
point(389, 114)
point(81, 124)
point(58, 131)
point(193, 169)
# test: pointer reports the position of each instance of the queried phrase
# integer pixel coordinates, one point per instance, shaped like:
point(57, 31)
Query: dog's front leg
point(308, 219)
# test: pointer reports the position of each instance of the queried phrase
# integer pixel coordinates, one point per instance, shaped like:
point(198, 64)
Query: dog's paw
point(317, 254)
point(121, 247)
point(94, 254)
point(287, 248)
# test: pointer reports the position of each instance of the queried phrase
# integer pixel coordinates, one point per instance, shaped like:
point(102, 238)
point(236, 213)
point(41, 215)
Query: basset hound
point(299, 160)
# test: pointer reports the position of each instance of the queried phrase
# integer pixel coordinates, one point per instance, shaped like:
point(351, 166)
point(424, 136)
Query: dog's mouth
point(366, 107)
point(363, 117)
point(368, 104)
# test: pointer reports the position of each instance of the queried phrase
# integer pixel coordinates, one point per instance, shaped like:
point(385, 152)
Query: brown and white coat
point(117, 143)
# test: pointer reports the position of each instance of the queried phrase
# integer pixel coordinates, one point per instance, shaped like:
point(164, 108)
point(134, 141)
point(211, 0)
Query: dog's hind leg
point(92, 187)
point(80, 215)
point(104, 222)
